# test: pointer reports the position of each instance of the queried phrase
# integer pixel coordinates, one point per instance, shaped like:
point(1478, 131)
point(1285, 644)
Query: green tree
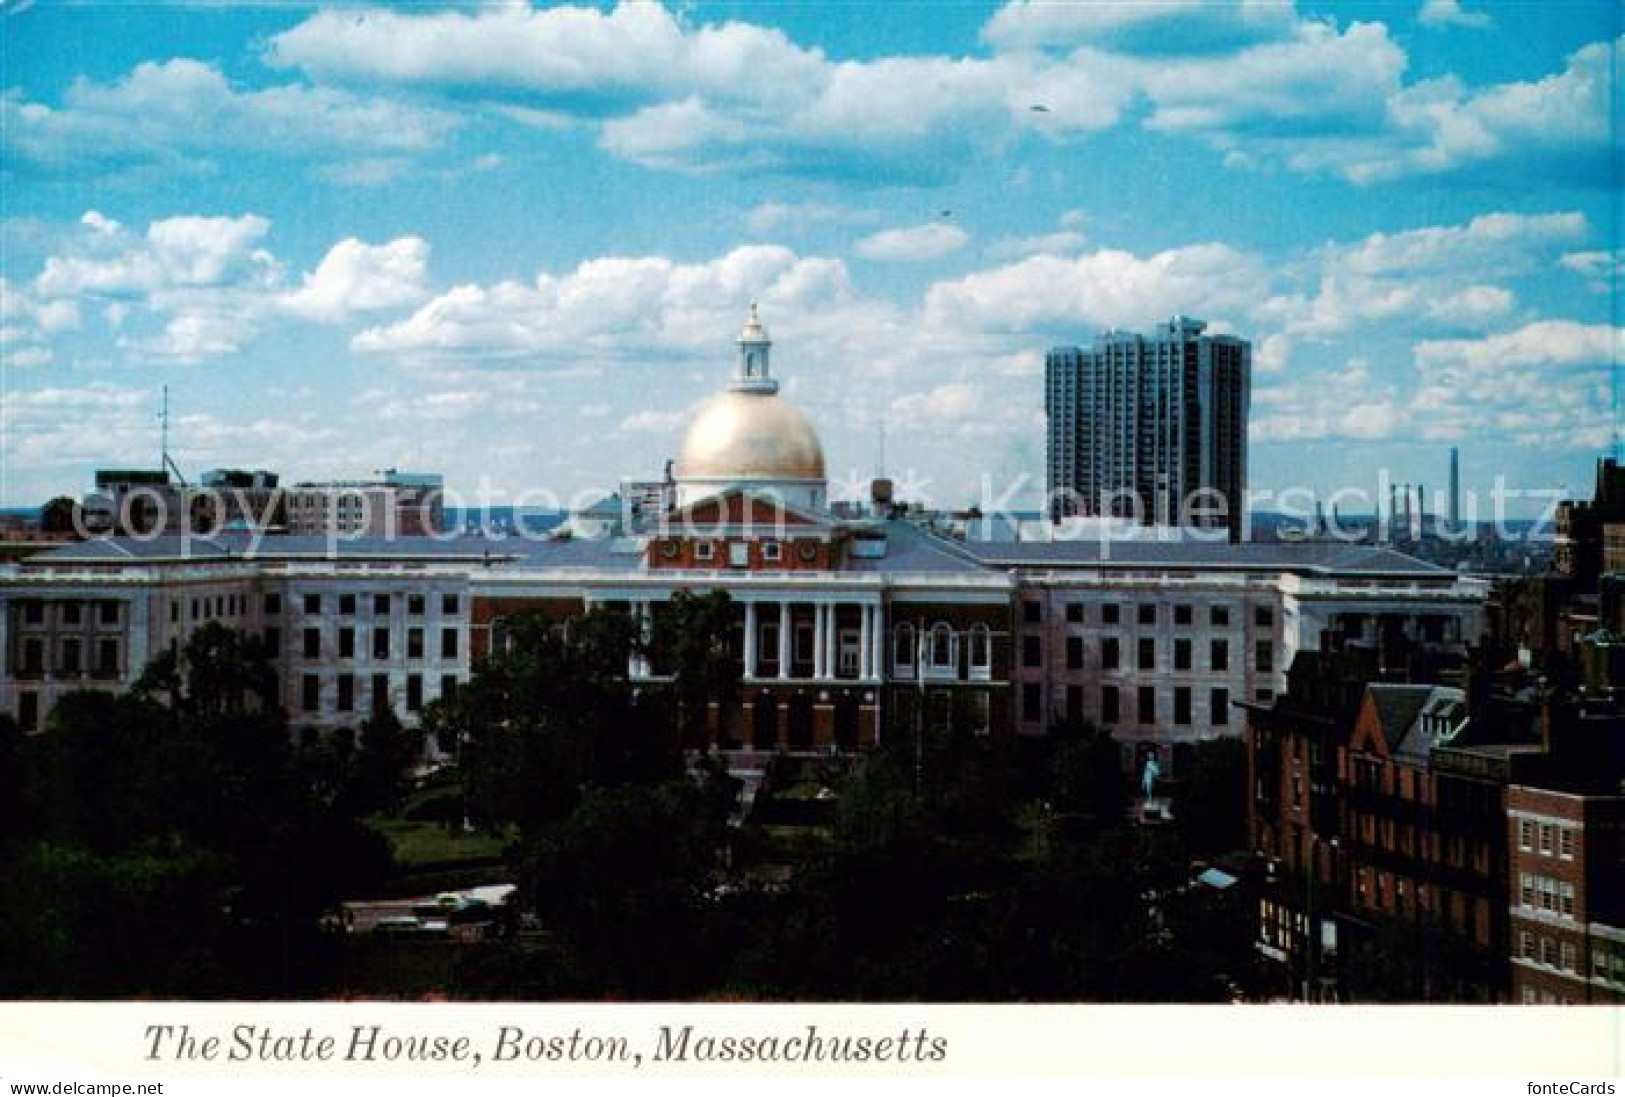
point(692, 642)
point(175, 845)
point(60, 515)
point(624, 881)
point(1210, 806)
point(382, 764)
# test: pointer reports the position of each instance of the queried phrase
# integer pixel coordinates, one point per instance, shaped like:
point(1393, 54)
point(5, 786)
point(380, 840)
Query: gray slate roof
point(909, 549)
point(1305, 557)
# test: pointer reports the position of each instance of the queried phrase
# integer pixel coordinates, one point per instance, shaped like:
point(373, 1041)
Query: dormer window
point(771, 552)
point(704, 550)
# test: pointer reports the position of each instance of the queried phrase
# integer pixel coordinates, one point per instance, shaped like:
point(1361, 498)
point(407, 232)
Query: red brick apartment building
point(1567, 895)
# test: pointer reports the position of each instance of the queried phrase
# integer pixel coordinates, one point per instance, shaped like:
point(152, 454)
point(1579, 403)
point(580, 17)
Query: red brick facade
point(1567, 895)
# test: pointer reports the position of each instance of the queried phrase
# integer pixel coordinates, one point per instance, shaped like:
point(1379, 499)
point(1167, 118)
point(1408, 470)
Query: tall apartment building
point(1150, 426)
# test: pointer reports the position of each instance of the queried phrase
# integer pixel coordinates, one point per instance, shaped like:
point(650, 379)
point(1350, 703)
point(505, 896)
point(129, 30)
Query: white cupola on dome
point(751, 437)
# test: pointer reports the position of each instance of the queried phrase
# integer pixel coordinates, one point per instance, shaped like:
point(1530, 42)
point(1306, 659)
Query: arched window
point(903, 648)
point(981, 648)
point(944, 647)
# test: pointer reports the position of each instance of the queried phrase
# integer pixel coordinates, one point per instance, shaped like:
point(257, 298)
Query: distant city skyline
point(509, 242)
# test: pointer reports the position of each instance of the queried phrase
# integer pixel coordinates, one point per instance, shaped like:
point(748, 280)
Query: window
point(1264, 616)
point(313, 603)
point(1565, 900)
point(1264, 657)
point(347, 604)
point(1219, 616)
point(772, 553)
point(1148, 613)
point(313, 643)
point(1032, 612)
point(1074, 613)
point(1074, 653)
point(70, 613)
point(1566, 956)
point(942, 647)
point(197, 609)
point(1148, 653)
point(33, 655)
point(1108, 705)
point(1148, 705)
point(1526, 944)
point(1074, 704)
point(107, 657)
point(902, 647)
point(738, 554)
point(68, 658)
point(1548, 951)
point(174, 611)
point(1032, 702)
point(346, 692)
point(704, 550)
point(448, 686)
point(414, 692)
point(1182, 704)
point(380, 605)
point(346, 643)
point(33, 612)
point(273, 603)
point(380, 692)
point(1182, 654)
point(310, 688)
point(981, 648)
point(380, 643)
point(448, 643)
point(1565, 843)
point(1109, 614)
point(1108, 653)
point(414, 605)
point(448, 606)
point(1547, 833)
point(273, 641)
point(1218, 705)
point(109, 613)
point(1032, 651)
point(1526, 835)
point(1182, 615)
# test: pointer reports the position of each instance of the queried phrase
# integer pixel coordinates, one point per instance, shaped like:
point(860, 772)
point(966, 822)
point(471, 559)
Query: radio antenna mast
point(167, 462)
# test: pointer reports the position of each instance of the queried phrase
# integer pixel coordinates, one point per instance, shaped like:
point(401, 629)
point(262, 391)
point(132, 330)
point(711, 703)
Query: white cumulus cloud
point(916, 244)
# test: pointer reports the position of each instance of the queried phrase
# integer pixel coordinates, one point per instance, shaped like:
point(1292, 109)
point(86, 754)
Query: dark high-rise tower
point(1155, 423)
point(1455, 486)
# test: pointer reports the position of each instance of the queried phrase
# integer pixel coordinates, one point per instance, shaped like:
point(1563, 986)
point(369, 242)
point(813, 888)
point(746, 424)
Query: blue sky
point(514, 243)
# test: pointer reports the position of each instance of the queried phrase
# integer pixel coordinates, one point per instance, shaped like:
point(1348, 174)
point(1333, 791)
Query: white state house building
point(848, 620)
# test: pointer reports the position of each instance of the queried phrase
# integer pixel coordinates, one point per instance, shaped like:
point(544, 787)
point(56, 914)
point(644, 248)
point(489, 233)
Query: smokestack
point(1455, 486)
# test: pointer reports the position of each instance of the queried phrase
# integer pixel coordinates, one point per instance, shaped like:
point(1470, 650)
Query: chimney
point(880, 497)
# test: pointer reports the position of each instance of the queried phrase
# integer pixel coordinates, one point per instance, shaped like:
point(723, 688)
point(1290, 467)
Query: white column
point(820, 635)
point(866, 644)
point(784, 639)
point(877, 651)
point(750, 639)
point(832, 642)
point(634, 662)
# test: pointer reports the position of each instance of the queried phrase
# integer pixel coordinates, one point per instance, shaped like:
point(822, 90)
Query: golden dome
point(751, 436)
